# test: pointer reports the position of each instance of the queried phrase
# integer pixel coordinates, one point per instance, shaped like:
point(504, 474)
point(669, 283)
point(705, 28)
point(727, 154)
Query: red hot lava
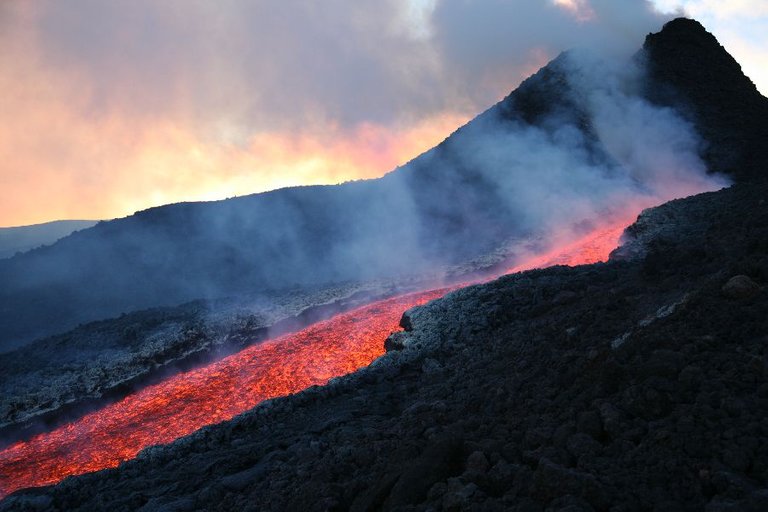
point(188, 401)
point(591, 248)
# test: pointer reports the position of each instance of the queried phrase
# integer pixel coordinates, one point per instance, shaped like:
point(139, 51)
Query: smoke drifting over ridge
point(119, 106)
point(576, 143)
point(575, 146)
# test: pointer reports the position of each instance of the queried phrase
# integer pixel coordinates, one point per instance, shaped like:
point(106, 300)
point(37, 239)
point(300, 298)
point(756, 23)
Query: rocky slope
point(639, 384)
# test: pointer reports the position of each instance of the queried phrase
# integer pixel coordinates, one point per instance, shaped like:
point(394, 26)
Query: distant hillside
point(24, 238)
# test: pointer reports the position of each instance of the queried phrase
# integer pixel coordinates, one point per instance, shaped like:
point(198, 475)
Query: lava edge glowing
point(288, 364)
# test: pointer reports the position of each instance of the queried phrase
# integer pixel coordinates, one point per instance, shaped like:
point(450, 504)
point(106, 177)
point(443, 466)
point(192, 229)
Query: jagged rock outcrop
point(689, 69)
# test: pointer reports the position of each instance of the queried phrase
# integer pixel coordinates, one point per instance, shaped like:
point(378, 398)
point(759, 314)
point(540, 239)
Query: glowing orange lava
point(592, 248)
point(188, 401)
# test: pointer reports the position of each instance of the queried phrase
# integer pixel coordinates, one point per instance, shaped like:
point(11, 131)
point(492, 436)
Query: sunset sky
point(108, 107)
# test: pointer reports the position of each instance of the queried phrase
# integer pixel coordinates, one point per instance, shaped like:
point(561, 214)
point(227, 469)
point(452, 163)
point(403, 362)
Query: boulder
point(395, 341)
point(740, 287)
point(477, 462)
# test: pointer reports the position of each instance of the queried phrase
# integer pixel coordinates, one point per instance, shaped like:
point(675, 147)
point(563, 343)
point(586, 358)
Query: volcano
point(635, 384)
point(564, 149)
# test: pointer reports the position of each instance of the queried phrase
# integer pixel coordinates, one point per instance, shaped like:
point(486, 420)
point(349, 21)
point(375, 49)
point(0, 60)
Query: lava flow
point(592, 248)
point(188, 401)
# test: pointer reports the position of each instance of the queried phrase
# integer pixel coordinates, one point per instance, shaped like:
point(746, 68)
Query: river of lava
point(591, 248)
point(188, 401)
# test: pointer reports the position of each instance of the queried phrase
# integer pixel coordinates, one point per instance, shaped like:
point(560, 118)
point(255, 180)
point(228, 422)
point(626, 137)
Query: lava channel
point(591, 248)
point(188, 401)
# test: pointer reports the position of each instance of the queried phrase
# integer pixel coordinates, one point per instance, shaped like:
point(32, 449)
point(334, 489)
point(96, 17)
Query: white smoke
point(601, 156)
point(583, 148)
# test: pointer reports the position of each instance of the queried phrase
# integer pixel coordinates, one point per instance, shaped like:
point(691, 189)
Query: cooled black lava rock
point(690, 70)
point(741, 287)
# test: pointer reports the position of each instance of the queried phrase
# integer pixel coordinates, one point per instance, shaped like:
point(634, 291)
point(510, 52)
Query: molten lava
point(188, 401)
point(592, 248)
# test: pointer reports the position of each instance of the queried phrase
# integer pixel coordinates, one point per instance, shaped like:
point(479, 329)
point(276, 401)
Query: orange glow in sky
point(109, 168)
point(580, 9)
point(68, 153)
point(110, 109)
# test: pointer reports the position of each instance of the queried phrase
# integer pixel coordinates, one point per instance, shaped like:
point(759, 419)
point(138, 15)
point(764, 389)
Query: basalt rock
point(741, 287)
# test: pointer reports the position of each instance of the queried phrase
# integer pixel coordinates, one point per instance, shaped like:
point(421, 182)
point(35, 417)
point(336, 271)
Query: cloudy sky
point(108, 107)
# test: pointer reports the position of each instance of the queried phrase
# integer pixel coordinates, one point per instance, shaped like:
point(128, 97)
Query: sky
point(107, 108)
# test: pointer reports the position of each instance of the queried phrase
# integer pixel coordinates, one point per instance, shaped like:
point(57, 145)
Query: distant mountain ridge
point(23, 238)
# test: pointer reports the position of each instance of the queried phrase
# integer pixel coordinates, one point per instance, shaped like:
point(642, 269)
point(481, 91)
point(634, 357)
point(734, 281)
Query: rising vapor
point(576, 145)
